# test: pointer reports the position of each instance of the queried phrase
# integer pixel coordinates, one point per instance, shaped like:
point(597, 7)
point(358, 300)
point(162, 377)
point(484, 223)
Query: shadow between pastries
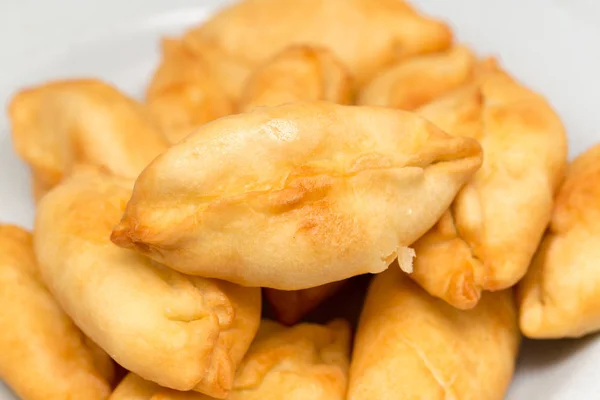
point(291, 305)
point(307, 361)
point(296, 196)
point(60, 124)
point(186, 333)
point(410, 345)
point(495, 224)
point(560, 295)
point(43, 355)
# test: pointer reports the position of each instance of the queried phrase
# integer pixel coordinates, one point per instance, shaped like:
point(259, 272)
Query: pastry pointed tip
point(122, 236)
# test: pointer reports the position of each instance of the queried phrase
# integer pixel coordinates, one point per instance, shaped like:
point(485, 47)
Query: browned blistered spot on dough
point(299, 192)
point(323, 225)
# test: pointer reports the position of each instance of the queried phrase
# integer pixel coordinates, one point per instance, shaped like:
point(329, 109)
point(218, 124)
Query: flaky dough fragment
point(410, 345)
point(43, 355)
point(60, 124)
point(560, 295)
point(489, 235)
point(183, 332)
point(296, 196)
point(307, 361)
point(298, 73)
point(364, 34)
point(417, 81)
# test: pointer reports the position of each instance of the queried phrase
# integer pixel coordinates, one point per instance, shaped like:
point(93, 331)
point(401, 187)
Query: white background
point(554, 46)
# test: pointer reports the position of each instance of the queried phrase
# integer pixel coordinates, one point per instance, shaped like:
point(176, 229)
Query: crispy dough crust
point(296, 196)
point(179, 331)
point(410, 345)
point(307, 361)
point(43, 355)
point(560, 295)
point(497, 220)
point(58, 125)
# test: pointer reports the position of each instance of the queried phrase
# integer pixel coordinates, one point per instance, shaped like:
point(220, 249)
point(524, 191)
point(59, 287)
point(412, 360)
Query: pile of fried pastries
point(402, 206)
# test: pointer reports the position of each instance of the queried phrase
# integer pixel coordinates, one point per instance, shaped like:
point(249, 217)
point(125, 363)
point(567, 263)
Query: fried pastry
point(43, 355)
point(183, 94)
point(58, 125)
point(291, 305)
point(307, 361)
point(410, 345)
point(299, 73)
point(412, 83)
point(497, 220)
point(296, 196)
point(560, 295)
point(186, 333)
point(365, 35)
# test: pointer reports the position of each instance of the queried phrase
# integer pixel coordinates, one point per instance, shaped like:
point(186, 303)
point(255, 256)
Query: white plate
point(553, 46)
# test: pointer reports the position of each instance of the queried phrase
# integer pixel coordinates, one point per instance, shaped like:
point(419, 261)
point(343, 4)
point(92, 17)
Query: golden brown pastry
point(183, 94)
point(42, 353)
point(497, 220)
point(412, 83)
point(364, 34)
point(298, 73)
point(60, 124)
point(179, 331)
point(296, 196)
point(410, 345)
point(291, 305)
point(307, 361)
point(560, 295)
